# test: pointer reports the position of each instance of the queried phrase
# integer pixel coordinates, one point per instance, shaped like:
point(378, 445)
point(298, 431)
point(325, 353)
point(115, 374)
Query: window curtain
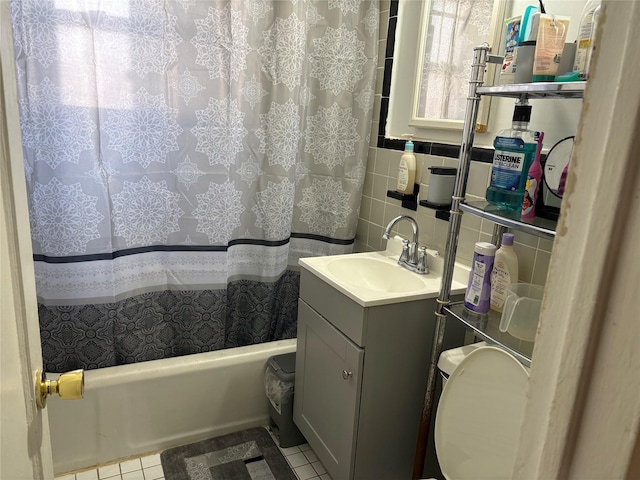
point(180, 157)
point(453, 29)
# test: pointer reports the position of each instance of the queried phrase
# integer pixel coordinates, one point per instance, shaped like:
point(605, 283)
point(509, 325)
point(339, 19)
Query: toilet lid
point(479, 416)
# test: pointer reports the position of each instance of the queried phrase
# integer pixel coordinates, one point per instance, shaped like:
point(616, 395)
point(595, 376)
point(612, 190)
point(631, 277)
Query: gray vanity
point(361, 370)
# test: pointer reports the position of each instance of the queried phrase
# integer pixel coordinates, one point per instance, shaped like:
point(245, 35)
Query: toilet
point(480, 412)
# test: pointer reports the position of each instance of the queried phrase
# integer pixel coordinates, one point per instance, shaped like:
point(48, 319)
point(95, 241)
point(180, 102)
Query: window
point(430, 77)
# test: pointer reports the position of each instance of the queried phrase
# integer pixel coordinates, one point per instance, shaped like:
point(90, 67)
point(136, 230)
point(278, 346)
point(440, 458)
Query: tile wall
point(377, 209)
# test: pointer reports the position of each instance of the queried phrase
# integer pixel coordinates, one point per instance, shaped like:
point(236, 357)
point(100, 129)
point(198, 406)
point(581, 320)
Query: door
point(25, 446)
point(327, 397)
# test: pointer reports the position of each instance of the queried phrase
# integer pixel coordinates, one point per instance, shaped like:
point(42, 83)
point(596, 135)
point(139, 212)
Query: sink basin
point(374, 274)
point(375, 278)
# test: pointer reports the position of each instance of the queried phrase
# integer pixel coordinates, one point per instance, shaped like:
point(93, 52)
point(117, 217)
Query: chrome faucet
point(413, 257)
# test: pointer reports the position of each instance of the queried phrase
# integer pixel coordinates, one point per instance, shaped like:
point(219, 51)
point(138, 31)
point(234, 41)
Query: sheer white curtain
point(454, 28)
point(180, 155)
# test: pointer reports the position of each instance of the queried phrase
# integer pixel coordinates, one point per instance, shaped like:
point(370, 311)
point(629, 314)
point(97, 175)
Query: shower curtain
point(180, 157)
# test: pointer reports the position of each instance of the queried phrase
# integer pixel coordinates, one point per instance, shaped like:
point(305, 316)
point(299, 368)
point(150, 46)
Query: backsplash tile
point(541, 267)
point(478, 178)
point(466, 242)
point(526, 261)
point(377, 211)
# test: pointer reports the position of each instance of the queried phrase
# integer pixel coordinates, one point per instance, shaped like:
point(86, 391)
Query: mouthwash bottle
point(515, 149)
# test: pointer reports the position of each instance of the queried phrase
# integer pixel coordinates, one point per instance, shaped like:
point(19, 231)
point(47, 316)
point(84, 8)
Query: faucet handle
point(404, 256)
point(422, 260)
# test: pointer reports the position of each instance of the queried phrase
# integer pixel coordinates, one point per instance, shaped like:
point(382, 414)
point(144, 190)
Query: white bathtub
point(142, 408)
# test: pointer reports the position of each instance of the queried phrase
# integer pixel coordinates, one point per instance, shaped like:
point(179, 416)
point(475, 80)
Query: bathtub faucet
point(413, 257)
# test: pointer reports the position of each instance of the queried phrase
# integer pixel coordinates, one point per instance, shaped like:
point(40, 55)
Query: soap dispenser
point(407, 169)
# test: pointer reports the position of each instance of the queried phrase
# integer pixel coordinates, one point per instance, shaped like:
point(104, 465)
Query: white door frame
point(25, 446)
point(583, 414)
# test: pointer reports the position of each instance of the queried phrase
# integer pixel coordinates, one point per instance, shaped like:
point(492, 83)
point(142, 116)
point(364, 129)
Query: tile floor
point(302, 460)
point(305, 463)
point(142, 468)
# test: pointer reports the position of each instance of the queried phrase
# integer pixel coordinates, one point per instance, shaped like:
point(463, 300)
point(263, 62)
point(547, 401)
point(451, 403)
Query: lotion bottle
point(407, 169)
point(586, 35)
point(504, 273)
point(478, 295)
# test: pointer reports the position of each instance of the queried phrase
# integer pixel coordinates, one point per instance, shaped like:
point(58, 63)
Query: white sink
point(375, 278)
point(374, 274)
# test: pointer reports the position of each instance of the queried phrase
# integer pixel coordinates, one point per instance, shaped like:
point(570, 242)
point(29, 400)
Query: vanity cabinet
point(360, 379)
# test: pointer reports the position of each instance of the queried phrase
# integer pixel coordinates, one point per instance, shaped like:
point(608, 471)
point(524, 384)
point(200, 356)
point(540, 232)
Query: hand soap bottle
point(407, 169)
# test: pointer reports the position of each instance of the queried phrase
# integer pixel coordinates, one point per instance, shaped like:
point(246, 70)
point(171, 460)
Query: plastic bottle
point(586, 35)
point(552, 32)
point(515, 150)
point(505, 272)
point(407, 169)
point(527, 23)
point(507, 72)
point(533, 184)
point(478, 295)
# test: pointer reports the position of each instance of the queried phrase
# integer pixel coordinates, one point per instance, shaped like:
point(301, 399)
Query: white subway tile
point(305, 472)
point(297, 459)
point(150, 460)
point(153, 473)
point(87, 475)
point(130, 465)
point(135, 475)
point(108, 471)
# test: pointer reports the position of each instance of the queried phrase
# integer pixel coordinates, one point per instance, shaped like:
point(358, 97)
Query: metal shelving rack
point(541, 227)
point(536, 90)
point(483, 326)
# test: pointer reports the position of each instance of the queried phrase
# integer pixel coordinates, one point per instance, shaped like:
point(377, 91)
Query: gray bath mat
point(247, 455)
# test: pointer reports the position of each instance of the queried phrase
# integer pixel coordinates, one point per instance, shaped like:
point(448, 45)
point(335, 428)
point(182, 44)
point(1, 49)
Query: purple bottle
point(478, 295)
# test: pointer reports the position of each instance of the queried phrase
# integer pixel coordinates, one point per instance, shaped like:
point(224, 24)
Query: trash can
point(279, 381)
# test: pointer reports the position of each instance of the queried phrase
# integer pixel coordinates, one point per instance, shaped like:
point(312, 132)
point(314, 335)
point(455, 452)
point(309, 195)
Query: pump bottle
point(407, 169)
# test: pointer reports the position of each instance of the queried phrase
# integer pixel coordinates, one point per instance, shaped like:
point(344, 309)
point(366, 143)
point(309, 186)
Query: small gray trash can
point(279, 381)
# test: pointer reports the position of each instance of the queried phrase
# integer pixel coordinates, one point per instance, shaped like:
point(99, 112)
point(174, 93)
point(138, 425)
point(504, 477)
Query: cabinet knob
point(346, 374)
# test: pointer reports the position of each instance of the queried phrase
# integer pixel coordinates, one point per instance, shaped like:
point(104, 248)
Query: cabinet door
point(327, 391)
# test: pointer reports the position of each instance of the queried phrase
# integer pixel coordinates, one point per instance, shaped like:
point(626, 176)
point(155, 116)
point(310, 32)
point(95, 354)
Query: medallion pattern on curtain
point(180, 157)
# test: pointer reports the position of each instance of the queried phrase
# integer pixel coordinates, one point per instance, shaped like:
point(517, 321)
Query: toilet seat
point(479, 416)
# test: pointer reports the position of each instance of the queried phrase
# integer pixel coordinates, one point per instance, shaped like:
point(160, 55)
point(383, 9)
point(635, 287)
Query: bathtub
point(141, 408)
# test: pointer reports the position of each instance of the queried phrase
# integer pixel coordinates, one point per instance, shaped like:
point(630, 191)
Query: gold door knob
point(69, 386)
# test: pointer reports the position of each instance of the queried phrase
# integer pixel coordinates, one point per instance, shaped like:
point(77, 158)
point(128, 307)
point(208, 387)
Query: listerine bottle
point(515, 149)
